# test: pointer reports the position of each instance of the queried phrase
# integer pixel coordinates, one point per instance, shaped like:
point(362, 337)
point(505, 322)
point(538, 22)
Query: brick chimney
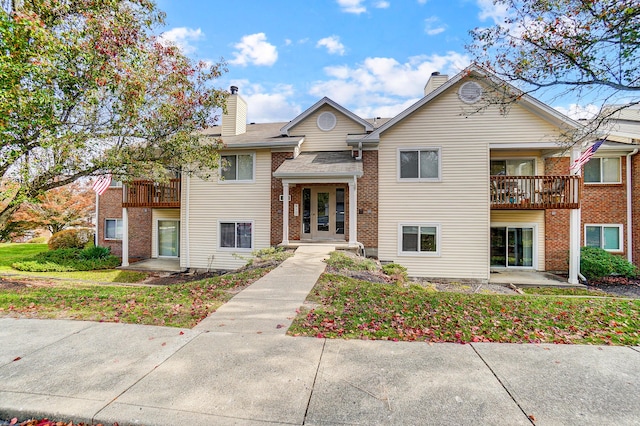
point(234, 122)
point(436, 80)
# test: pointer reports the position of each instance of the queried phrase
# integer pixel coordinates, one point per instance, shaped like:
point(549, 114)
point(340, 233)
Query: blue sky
point(371, 56)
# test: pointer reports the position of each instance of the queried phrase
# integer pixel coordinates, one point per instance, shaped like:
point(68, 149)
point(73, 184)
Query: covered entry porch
point(320, 198)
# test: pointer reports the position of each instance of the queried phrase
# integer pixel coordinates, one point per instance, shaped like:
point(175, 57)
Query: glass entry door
point(323, 216)
point(169, 238)
point(512, 247)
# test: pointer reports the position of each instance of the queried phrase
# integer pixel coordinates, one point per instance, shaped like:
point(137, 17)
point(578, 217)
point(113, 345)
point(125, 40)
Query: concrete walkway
point(239, 368)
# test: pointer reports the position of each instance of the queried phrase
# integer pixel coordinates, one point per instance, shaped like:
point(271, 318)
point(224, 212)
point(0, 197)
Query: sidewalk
point(239, 367)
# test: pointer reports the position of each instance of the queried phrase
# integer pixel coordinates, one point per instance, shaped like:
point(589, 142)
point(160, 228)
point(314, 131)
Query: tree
point(59, 208)
point(87, 89)
point(586, 48)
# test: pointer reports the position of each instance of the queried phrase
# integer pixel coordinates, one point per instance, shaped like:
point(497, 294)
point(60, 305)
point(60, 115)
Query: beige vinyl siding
point(332, 140)
point(211, 202)
point(508, 218)
point(156, 215)
point(460, 202)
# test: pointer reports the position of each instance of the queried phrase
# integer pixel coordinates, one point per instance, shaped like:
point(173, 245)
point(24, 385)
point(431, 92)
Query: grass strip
point(350, 308)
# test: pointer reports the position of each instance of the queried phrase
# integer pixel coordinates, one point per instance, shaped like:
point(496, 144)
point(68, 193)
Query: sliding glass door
point(512, 246)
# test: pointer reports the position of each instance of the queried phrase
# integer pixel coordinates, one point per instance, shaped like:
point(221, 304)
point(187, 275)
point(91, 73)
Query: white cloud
point(422, 1)
point(496, 12)
point(352, 6)
point(433, 26)
point(181, 37)
point(268, 105)
point(384, 86)
point(382, 4)
point(333, 45)
point(287, 42)
point(254, 49)
point(579, 112)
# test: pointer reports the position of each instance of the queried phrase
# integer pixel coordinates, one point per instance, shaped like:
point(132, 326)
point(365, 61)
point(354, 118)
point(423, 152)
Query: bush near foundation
point(71, 238)
point(68, 260)
point(596, 263)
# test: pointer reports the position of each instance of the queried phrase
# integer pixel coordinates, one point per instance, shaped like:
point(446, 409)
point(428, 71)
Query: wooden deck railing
point(146, 193)
point(535, 192)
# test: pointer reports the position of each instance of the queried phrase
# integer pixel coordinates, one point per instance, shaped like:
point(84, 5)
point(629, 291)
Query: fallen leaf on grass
point(18, 358)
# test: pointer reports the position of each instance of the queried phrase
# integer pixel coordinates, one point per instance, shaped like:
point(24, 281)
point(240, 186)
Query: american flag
point(102, 184)
point(586, 156)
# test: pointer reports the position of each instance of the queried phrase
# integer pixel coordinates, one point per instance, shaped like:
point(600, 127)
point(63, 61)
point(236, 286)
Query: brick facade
point(557, 223)
point(277, 158)
point(635, 208)
point(110, 207)
point(368, 200)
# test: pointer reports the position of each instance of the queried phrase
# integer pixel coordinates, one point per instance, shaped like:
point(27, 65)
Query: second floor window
point(419, 164)
point(237, 167)
point(513, 167)
point(602, 170)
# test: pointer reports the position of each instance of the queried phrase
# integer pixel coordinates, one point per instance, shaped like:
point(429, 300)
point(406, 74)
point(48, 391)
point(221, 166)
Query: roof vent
point(327, 121)
point(470, 92)
point(234, 90)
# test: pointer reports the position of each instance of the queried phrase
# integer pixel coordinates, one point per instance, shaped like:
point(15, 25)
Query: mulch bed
point(619, 286)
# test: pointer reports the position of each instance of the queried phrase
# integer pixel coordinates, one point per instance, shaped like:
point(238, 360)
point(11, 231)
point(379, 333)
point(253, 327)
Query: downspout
point(629, 207)
point(97, 219)
point(186, 223)
point(359, 157)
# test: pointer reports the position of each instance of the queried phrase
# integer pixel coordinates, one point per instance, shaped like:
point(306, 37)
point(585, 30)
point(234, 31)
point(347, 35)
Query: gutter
point(629, 207)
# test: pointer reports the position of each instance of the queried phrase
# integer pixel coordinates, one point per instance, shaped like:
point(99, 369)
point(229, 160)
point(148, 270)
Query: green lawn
point(179, 305)
point(350, 308)
point(11, 253)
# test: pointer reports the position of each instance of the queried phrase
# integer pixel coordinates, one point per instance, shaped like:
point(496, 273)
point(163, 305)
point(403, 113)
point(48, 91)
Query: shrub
point(396, 272)
point(278, 254)
point(95, 252)
point(65, 260)
point(596, 263)
point(37, 240)
point(341, 260)
point(71, 238)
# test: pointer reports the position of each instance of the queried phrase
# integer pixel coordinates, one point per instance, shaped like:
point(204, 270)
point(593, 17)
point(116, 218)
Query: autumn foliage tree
point(88, 89)
point(585, 48)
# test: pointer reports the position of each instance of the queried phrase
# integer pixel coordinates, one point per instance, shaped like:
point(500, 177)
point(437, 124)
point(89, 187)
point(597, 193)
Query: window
point(419, 164)
point(113, 229)
point(602, 170)
point(419, 238)
point(608, 237)
point(237, 167)
point(115, 183)
point(236, 235)
point(513, 167)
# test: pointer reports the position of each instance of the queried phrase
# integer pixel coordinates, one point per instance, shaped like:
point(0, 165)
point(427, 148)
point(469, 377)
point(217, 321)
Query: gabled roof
point(529, 102)
point(322, 102)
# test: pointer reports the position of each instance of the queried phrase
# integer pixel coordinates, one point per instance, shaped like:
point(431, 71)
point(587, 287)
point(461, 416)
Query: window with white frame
point(607, 237)
point(421, 164)
point(236, 235)
point(602, 170)
point(237, 167)
point(113, 229)
point(419, 238)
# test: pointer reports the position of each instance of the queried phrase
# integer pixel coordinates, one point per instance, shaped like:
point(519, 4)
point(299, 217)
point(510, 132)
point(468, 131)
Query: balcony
point(535, 192)
point(146, 193)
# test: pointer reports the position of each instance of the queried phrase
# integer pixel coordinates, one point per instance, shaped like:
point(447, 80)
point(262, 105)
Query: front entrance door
point(169, 238)
point(323, 213)
point(512, 247)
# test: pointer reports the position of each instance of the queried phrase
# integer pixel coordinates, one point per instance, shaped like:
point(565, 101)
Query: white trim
point(237, 181)
point(436, 253)
point(602, 226)
point(313, 108)
point(619, 181)
point(121, 225)
point(327, 114)
point(236, 249)
point(534, 254)
point(125, 237)
point(419, 149)
point(158, 219)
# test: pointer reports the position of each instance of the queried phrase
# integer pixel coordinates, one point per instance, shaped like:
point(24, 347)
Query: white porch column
point(574, 232)
point(353, 212)
point(285, 213)
point(125, 237)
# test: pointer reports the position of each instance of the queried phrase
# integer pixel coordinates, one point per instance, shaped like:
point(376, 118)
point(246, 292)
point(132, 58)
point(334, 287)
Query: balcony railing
point(145, 193)
point(535, 192)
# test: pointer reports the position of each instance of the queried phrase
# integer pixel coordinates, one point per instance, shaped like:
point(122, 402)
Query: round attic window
point(470, 92)
point(327, 121)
